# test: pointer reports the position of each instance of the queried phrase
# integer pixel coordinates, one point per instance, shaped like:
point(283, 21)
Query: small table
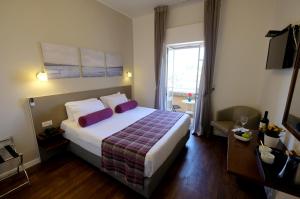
point(185, 101)
point(188, 103)
point(50, 145)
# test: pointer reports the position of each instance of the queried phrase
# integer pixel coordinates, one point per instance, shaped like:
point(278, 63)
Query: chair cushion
point(223, 126)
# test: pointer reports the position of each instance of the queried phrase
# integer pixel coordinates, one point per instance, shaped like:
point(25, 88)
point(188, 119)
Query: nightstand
point(51, 144)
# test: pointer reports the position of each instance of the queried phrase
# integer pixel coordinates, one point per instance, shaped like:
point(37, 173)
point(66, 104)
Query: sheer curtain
point(203, 114)
point(160, 24)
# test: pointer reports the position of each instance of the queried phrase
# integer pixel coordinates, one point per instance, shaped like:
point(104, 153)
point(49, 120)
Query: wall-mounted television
point(282, 49)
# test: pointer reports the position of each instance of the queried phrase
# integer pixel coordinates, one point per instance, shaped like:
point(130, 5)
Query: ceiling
point(136, 8)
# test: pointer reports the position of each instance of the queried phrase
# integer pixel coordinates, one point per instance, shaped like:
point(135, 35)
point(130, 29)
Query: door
point(184, 66)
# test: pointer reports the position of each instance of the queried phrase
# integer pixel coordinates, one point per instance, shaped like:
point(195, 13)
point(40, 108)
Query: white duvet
point(90, 138)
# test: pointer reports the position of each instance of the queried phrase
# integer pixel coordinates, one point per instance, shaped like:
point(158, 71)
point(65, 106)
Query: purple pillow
point(121, 108)
point(95, 117)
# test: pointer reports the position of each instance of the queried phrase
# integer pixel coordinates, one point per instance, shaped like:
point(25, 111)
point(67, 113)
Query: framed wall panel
point(93, 63)
point(114, 65)
point(61, 61)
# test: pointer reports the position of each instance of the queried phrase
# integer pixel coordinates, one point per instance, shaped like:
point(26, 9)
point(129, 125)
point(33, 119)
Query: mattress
point(90, 138)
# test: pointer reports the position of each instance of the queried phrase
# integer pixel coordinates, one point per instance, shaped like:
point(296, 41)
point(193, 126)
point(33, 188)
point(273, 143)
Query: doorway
point(184, 67)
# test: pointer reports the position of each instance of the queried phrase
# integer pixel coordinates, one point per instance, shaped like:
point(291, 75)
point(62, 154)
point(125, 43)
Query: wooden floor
point(199, 172)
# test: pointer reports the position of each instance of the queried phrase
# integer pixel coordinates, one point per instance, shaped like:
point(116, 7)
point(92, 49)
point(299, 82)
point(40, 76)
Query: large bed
point(90, 138)
point(87, 142)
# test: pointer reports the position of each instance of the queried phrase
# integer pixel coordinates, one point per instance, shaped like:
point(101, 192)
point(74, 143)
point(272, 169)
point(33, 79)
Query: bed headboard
point(53, 107)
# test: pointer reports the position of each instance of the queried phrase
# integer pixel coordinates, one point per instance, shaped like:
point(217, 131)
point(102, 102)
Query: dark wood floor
point(199, 172)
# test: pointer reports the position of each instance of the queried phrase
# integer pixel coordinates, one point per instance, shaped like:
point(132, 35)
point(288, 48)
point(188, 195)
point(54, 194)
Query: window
point(184, 67)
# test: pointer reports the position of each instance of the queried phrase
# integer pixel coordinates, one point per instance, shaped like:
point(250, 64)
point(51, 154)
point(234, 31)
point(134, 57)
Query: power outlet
point(47, 123)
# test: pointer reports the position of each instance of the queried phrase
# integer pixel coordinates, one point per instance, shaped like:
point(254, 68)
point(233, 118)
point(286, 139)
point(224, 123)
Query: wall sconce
point(31, 102)
point(129, 74)
point(42, 76)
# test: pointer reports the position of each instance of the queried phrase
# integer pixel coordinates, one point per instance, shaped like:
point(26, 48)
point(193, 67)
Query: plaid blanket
point(124, 152)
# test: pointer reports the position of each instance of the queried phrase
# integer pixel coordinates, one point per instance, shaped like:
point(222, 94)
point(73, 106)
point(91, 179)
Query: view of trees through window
point(184, 68)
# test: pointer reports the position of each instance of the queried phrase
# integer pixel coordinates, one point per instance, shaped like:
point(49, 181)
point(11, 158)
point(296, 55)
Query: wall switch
point(47, 123)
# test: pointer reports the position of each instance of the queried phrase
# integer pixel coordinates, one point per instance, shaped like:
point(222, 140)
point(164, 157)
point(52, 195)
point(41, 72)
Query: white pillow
point(113, 100)
point(86, 108)
point(106, 98)
point(72, 105)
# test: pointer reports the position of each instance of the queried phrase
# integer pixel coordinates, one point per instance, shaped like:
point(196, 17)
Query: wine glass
point(243, 120)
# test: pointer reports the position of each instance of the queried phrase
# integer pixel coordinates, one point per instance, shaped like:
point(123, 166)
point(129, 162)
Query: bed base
point(151, 183)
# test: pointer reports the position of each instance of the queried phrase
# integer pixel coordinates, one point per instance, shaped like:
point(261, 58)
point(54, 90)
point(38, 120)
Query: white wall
point(185, 14)
point(24, 24)
point(185, 34)
point(143, 45)
point(184, 25)
point(241, 52)
point(276, 83)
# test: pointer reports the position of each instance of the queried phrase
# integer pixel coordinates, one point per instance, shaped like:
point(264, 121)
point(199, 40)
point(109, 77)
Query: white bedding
point(90, 138)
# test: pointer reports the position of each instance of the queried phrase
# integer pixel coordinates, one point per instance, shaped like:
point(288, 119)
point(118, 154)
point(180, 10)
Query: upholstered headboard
point(53, 107)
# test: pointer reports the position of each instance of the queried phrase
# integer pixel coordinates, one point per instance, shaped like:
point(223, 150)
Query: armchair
point(229, 117)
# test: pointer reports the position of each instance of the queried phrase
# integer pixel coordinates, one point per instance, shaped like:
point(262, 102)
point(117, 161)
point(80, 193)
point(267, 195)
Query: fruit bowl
point(243, 136)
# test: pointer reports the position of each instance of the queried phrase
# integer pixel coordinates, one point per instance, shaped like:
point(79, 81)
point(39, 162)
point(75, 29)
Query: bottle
point(264, 122)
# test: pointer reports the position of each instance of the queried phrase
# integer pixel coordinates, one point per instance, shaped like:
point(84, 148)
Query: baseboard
point(32, 163)
point(26, 165)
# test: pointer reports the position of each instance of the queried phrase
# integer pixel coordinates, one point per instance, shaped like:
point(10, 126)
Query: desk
point(241, 158)
point(242, 161)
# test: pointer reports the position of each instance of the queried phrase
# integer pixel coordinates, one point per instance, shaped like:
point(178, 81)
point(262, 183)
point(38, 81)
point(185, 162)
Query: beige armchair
point(229, 118)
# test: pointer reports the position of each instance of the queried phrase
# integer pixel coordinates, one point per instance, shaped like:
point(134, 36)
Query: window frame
point(196, 44)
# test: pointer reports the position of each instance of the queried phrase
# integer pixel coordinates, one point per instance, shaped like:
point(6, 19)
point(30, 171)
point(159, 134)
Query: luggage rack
point(8, 153)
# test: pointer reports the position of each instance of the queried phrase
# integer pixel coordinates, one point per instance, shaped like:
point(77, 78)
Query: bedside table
point(53, 144)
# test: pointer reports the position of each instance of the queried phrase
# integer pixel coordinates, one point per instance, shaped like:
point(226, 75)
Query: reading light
point(31, 102)
point(129, 74)
point(42, 76)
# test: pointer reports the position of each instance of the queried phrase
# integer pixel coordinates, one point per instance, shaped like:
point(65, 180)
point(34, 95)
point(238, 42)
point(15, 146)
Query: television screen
point(281, 50)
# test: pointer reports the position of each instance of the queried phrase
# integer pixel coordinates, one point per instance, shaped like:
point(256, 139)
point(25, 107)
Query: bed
point(86, 142)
